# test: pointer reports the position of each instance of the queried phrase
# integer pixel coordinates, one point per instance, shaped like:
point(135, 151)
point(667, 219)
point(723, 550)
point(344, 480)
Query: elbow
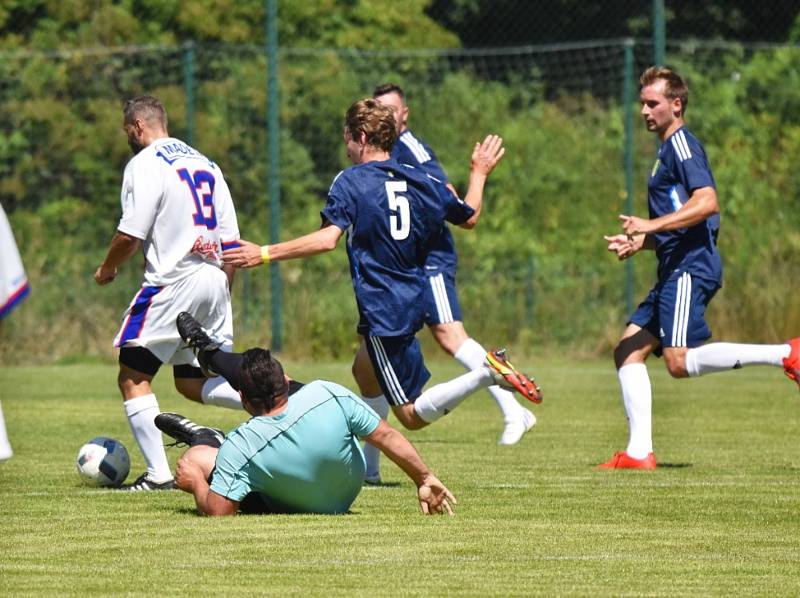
point(470, 224)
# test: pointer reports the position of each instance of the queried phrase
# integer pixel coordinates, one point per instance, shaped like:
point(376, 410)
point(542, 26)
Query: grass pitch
point(721, 515)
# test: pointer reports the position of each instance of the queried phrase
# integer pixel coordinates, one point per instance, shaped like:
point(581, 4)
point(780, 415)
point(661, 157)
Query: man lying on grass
point(297, 454)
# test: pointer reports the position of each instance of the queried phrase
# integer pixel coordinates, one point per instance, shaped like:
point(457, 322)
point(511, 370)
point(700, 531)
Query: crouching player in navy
point(299, 453)
point(682, 229)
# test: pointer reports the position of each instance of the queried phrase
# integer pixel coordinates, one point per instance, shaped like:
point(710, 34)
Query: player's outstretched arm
point(433, 496)
point(485, 157)
point(249, 255)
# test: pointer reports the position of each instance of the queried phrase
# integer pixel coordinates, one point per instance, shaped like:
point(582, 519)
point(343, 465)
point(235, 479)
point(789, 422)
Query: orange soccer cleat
point(623, 460)
point(791, 364)
point(506, 375)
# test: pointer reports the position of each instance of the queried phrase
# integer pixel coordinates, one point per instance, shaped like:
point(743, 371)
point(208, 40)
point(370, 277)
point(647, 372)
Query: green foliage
point(535, 272)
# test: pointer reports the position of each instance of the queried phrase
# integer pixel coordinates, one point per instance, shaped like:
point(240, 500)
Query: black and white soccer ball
point(103, 462)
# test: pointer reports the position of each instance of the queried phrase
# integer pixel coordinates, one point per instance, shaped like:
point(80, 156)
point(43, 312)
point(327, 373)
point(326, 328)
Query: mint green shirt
point(305, 459)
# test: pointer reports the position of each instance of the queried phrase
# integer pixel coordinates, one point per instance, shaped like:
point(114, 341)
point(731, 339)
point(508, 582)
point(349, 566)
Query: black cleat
point(193, 335)
point(186, 432)
point(145, 484)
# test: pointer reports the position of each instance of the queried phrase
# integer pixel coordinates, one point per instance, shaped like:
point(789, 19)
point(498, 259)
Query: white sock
point(5, 446)
point(472, 355)
point(441, 399)
point(372, 454)
point(217, 391)
point(638, 399)
point(720, 357)
point(141, 412)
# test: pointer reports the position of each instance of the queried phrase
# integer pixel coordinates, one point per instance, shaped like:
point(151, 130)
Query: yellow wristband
point(265, 254)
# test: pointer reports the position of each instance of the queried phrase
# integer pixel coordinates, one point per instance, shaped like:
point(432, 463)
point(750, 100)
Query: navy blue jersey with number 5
point(392, 214)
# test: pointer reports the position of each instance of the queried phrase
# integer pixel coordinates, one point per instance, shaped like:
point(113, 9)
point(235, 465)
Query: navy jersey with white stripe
point(680, 169)
point(392, 214)
point(409, 149)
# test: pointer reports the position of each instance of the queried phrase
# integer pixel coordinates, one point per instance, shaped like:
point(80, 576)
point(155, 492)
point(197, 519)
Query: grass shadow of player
point(674, 465)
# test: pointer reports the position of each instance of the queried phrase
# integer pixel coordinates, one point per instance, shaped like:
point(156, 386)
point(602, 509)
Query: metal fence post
point(274, 184)
point(188, 86)
point(659, 33)
point(627, 93)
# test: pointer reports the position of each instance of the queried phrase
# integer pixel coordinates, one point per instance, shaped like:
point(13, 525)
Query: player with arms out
point(177, 208)
point(442, 309)
point(682, 229)
point(392, 214)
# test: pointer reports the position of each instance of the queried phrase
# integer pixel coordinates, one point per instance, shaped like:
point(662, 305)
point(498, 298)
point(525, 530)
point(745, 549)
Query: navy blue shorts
point(399, 367)
point(674, 311)
point(441, 299)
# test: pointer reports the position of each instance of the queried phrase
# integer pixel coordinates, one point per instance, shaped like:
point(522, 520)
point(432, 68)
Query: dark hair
point(383, 89)
point(372, 118)
point(147, 108)
point(261, 379)
point(675, 85)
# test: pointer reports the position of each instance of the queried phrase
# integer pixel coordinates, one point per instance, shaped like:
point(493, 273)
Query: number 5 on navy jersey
point(203, 201)
point(400, 219)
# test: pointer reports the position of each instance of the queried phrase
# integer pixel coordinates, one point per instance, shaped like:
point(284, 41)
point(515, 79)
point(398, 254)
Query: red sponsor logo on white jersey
point(206, 248)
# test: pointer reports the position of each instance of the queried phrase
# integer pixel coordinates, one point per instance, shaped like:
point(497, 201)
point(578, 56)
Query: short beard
point(135, 146)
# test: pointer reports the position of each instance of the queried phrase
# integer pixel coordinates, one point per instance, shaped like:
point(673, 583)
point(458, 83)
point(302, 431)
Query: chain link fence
point(534, 274)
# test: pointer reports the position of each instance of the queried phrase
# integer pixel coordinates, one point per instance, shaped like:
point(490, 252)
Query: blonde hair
point(375, 120)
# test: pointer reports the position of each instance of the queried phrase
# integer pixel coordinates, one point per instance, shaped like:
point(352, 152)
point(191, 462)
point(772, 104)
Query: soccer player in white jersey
point(682, 230)
point(177, 208)
point(13, 289)
point(442, 309)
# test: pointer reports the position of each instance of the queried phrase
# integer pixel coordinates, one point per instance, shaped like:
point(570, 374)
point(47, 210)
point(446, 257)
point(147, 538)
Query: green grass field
point(721, 515)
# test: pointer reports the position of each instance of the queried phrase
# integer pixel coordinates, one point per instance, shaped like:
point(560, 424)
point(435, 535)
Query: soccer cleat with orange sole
point(623, 460)
point(791, 364)
point(505, 374)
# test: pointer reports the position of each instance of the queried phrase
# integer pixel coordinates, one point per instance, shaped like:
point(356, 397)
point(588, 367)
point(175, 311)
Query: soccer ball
point(103, 462)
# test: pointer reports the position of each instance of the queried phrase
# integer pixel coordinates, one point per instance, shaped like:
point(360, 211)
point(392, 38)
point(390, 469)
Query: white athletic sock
point(141, 413)
point(5, 446)
point(217, 391)
point(441, 399)
point(720, 357)
point(372, 454)
point(472, 355)
point(638, 399)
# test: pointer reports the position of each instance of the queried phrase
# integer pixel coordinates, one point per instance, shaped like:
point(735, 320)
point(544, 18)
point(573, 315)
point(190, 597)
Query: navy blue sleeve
point(340, 207)
point(692, 167)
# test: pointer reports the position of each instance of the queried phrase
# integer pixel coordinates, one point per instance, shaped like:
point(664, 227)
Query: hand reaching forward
point(434, 497)
point(486, 155)
point(247, 255)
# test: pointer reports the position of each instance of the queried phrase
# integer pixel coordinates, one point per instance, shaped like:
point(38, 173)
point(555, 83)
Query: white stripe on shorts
point(440, 298)
point(397, 395)
point(683, 301)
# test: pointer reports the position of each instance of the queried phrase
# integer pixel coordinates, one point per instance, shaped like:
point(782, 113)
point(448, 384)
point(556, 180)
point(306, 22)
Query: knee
point(408, 417)
point(676, 365)
point(190, 388)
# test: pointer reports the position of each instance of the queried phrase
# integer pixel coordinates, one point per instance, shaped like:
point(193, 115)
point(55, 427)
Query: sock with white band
point(638, 399)
point(720, 357)
point(217, 391)
point(441, 399)
point(141, 413)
